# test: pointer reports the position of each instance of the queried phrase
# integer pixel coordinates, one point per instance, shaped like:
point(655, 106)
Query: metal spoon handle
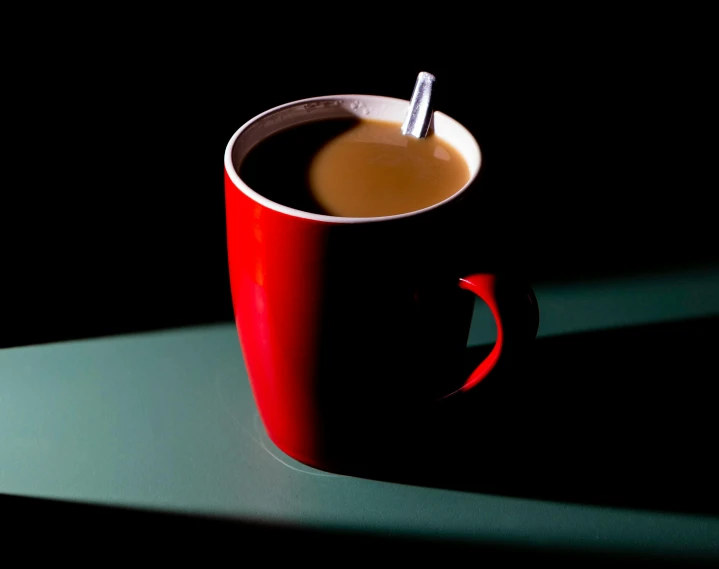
point(419, 113)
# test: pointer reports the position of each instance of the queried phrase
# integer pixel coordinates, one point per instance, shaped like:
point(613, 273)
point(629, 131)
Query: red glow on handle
point(484, 286)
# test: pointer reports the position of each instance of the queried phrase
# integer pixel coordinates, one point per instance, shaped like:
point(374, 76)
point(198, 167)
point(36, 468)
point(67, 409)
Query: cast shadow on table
point(68, 527)
point(622, 418)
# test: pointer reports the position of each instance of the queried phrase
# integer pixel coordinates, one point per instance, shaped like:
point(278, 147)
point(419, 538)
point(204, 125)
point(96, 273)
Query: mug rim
point(255, 196)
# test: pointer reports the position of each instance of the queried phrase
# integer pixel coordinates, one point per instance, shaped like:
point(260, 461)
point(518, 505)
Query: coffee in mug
point(354, 168)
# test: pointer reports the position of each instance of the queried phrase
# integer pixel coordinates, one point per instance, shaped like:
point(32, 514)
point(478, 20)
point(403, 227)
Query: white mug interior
point(335, 106)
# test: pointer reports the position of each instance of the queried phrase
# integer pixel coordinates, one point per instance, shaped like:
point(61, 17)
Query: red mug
point(354, 328)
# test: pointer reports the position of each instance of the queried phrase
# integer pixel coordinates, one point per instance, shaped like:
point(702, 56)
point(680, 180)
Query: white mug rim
point(255, 196)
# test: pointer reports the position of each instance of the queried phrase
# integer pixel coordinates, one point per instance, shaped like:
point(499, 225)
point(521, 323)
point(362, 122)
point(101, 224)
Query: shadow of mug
point(622, 417)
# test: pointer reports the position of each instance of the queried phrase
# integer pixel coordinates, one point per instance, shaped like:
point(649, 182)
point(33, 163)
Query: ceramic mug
point(354, 328)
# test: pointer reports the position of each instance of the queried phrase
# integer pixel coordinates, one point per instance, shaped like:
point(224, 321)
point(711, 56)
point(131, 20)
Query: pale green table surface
point(166, 420)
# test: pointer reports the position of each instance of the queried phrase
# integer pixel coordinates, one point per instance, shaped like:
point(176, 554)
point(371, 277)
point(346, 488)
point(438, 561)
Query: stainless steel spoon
point(419, 113)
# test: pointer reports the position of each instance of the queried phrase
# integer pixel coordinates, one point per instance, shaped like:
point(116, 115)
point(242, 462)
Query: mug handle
point(516, 314)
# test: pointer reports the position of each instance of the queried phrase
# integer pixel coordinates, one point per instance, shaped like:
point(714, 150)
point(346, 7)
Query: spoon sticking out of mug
point(419, 113)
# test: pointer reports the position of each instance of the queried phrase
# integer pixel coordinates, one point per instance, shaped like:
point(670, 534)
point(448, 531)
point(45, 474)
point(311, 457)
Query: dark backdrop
point(598, 131)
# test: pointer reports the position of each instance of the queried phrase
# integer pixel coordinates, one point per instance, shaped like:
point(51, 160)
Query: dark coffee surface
point(277, 168)
point(354, 168)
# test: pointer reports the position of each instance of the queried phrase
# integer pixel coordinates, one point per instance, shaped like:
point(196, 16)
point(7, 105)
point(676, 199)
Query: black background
point(598, 131)
point(598, 128)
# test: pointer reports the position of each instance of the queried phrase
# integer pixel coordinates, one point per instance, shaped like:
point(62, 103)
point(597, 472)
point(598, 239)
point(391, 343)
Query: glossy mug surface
point(353, 328)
